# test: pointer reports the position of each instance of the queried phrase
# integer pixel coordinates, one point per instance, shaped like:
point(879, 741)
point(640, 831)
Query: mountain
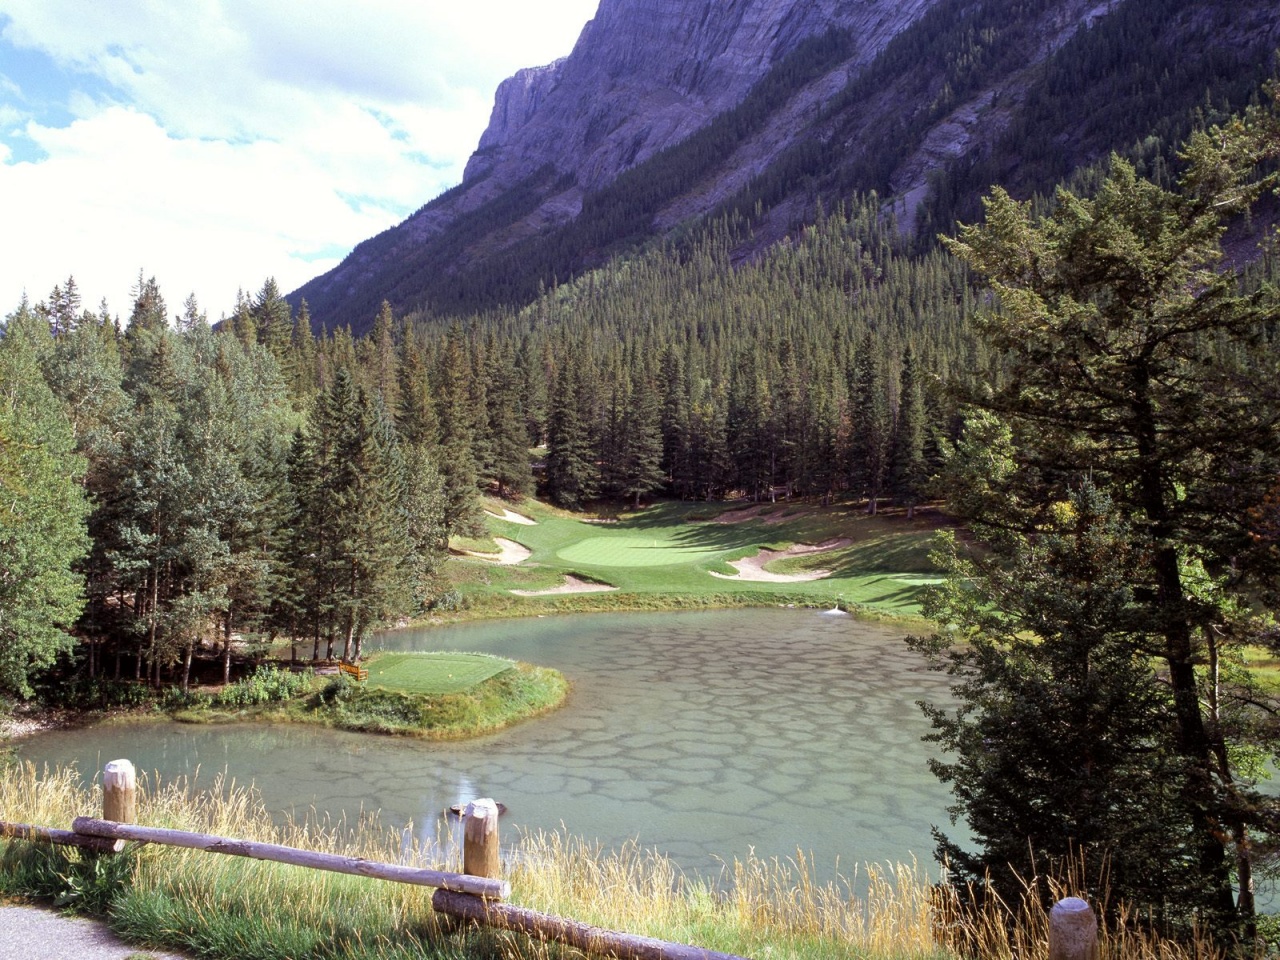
point(667, 113)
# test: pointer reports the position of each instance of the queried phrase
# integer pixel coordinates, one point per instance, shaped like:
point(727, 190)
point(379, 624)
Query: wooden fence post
point(480, 854)
point(120, 792)
point(1073, 931)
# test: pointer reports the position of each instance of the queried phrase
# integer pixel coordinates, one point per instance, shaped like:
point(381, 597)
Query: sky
point(214, 143)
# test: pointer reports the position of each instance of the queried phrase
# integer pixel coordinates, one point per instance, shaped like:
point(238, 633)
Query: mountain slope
point(667, 112)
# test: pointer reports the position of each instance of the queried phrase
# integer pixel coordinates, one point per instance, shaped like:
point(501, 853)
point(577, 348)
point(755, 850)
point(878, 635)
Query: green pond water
point(703, 735)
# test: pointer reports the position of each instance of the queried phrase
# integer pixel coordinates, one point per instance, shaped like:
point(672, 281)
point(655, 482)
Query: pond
point(703, 735)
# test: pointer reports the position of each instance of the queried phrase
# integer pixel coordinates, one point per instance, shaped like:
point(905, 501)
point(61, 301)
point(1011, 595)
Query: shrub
point(266, 685)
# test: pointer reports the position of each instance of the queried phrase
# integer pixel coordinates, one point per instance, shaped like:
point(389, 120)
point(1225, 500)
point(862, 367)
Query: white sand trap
point(512, 553)
point(512, 517)
point(753, 568)
point(571, 585)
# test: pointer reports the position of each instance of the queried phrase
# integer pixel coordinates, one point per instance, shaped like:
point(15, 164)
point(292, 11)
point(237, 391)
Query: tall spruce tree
point(42, 511)
point(908, 470)
point(869, 422)
point(572, 476)
point(1137, 366)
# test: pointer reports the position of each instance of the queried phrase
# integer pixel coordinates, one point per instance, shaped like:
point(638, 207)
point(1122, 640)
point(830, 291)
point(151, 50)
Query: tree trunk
point(226, 649)
point(1172, 616)
point(187, 656)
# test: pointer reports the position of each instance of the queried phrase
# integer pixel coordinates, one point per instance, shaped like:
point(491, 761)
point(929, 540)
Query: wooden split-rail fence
point(474, 896)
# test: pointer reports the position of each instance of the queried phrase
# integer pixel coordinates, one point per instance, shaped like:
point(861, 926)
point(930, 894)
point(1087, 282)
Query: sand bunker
point(753, 568)
point(512, 517)
point(511, 553)
point(571, 584)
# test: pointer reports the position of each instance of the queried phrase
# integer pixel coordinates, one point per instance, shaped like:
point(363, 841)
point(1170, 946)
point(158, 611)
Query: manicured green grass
point(442, 696)
point(623, 551)
point(515, 693)
point(434, 673)
point(663, 557)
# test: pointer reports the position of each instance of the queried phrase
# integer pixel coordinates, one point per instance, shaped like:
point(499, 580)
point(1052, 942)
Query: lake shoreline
point(493, 705)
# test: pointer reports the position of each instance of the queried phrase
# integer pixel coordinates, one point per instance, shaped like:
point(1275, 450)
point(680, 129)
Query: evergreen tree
point(572, 477)
point(42, 511)
point(244, 324)
point(640, 452)
point(507, 426)
point(305, 380)
point(908, 470)
point(1135, 362)
point(1061, 747)
point(457, 458)
point(273, 321)
point(417, 415)
point(869, 423)
point(380, 359)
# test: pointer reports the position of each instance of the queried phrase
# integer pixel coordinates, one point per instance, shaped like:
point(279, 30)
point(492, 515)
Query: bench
point(354, 670)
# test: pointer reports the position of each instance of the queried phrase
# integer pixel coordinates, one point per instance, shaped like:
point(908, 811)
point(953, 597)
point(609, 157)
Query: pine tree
point(572, 477)
point(457, 458)
point(1134, 361)
point(869, 423)
point(273, 321)
point(417, 415)
point(42, 512)
point(640, 453)
point(908, 471)
point(305, 380)
point(507, 426)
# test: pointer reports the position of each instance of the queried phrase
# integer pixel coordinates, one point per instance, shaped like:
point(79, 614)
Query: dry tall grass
point(230, 907)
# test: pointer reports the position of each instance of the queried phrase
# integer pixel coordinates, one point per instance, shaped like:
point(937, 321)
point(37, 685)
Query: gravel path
point(37, 933)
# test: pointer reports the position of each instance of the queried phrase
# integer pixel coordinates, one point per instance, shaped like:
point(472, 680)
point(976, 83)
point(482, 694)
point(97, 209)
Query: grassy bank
point(676, 556)
point(226, 907)
point(433, 696)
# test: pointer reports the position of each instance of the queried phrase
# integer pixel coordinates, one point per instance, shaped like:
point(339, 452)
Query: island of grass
point(436, 696)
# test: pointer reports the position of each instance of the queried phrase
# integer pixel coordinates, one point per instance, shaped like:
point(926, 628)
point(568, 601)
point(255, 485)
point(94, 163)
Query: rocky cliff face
point(647, 73)
point(909, 89)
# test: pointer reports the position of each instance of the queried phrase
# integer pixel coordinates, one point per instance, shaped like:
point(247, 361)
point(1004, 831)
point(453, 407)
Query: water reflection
point(704, 735)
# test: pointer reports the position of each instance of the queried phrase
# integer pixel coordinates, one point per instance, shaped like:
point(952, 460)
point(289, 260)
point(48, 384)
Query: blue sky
point(214, 143)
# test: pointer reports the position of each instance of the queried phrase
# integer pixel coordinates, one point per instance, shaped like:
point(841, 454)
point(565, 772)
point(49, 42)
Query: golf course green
point(434, 674)
point(634, 552)
point(675, 555)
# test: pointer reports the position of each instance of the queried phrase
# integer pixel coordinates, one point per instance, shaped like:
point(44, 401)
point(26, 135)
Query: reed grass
point(227, 907)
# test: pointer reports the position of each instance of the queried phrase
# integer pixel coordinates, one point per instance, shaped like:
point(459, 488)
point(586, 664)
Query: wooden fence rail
point(457, 882)
point(66, 838)
point(472, 896)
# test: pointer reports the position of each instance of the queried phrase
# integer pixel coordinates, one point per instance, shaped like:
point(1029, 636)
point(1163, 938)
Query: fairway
point(634, 552)
point(434, 673)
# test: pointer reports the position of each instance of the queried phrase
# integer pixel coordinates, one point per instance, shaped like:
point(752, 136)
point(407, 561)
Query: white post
point(120, 792)
point(1073, 931)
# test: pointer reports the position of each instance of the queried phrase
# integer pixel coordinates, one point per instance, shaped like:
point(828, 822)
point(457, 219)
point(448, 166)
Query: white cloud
point(217, 140)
